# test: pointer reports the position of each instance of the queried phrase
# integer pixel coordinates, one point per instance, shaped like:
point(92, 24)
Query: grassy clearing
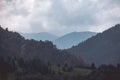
point(74, 72)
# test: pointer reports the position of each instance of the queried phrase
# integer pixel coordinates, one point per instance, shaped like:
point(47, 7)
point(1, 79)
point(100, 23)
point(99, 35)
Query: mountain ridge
point(40, 36)
point(13, 44)
point(102, 48)
point(72, 39)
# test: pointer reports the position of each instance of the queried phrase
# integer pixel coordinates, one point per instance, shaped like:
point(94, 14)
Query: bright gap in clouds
point(59, 16)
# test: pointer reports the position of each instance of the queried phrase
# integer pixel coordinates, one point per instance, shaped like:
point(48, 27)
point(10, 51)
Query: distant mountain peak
point(12, 44)
point(40, 36)
point(72, 39)
point(104, 48)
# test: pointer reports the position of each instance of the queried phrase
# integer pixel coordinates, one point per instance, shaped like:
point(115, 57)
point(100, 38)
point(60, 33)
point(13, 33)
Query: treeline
point(35, 69)
point(21, 68)
point(12, 44)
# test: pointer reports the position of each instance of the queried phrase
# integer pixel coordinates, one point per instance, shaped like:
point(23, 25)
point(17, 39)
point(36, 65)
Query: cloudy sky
point(59, 16)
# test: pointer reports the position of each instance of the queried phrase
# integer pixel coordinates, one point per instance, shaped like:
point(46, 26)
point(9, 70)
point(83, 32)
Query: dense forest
point(13, 44)
point(22, 59)
point(35, 69)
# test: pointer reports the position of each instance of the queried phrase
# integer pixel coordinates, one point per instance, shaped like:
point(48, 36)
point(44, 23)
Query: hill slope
point(104, 48)
point(14, 45)
point(39, 36)
point(72, 39)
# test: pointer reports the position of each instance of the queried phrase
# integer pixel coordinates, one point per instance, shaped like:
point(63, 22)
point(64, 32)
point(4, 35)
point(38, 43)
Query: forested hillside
point(13, 44)
point(104, 48)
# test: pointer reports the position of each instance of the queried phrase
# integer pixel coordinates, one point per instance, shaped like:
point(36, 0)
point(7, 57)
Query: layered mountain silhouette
point(39, 36)
point(13, 44)
point(72, 39)
point(63, 42)
point(104, 48)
